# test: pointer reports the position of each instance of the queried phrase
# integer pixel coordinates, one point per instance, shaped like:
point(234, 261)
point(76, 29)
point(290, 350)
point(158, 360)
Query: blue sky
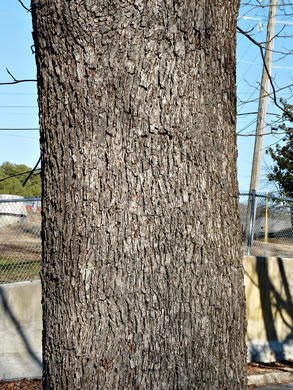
point(18, 103)
point(249, 71)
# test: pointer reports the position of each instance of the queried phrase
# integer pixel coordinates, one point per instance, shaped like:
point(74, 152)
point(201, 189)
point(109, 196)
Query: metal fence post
point(256, 230)
point(251, 223)
point(266, 224)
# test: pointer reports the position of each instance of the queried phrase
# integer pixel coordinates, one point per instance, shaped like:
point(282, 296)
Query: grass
point(13, 269)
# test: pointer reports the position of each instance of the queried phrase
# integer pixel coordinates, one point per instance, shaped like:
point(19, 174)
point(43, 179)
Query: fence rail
point(20, 239)
point(266, 222)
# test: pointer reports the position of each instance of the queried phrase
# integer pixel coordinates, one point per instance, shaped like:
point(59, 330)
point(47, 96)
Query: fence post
point(251, 223)
point(266, 224)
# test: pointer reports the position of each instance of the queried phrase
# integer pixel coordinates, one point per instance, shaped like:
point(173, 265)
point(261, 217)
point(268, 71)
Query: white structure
point(20, 330)
point(11, 213)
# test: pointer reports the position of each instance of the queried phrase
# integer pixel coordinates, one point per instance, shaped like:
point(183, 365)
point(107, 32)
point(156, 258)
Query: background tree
point(142, 274)
point(12, 177)
point(282, 155)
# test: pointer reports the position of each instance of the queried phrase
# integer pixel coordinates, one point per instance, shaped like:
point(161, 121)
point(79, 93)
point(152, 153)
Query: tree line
point(12, 178)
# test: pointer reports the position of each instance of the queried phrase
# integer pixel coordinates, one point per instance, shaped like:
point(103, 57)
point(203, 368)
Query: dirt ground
point(275, 248)
point(24, 384)
point(22, 240)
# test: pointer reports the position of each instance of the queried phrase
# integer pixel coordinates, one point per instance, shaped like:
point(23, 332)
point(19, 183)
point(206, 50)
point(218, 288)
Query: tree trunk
point(142, 273)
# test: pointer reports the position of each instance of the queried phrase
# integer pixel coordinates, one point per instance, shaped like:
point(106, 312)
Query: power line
point(17, 136)
point(273, 66)
point(18, 93)
point(18, 106)
point(247, 126)
point(248, 17)
point(20, 174)
point(259, 19)
point(19, 128)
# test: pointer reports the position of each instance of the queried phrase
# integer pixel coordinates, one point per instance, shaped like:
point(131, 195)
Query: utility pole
point(263, 98)
point(262, 109)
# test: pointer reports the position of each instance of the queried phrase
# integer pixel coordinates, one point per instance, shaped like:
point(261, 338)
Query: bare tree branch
point(266, 69)
point(261, 135)
point(31, 172)
point(16, 81)
point(28, 9)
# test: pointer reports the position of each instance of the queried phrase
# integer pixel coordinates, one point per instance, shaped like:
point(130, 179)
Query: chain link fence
point(267, 230)
point(267, 223)
point(20, 238)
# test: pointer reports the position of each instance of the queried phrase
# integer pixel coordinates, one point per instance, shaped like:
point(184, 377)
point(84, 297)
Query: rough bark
point(142, 274)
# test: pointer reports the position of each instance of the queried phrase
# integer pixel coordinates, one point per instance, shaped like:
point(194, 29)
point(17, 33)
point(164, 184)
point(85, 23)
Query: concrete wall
point(20, 330)
point(269, 292)
point(269, 306)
